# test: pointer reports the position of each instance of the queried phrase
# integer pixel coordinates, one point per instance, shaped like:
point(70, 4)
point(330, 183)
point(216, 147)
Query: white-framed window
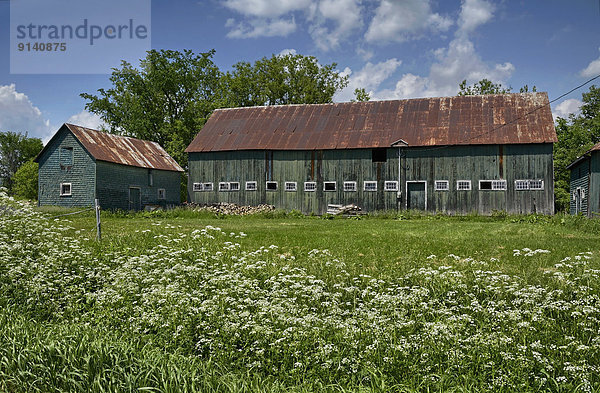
point(493, 185)
point(390, 185)
point(271, 186)
point(234, 186)
point(310, 186)
point(251, 186)
point(329, 186)
point(463, 185)
point(521, 185)
point(536, 184)
point(370, 186)
point(207, 187)
point(291, 186)
point(350, 186)
point(224, 186)
point(196, 187)
point(441, 185)
point(65, 189)
point(162, 194)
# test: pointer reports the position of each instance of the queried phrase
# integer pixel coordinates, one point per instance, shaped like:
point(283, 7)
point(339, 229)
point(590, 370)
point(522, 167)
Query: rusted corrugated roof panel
point(467, 120)
point(124, 150)
point(585, 155)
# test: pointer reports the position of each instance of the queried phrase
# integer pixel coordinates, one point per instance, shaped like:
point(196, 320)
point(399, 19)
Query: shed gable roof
point(123, 150)
point(462, 120)
point(585, 155)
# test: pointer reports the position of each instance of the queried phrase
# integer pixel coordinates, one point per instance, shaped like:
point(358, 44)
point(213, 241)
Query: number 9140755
point(42, 46)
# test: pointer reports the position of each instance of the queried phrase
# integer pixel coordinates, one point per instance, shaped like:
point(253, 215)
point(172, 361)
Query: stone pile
point(233, 209)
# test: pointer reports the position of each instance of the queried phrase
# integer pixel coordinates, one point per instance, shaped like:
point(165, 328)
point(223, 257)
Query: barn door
point(135, 198)
point(416, 195)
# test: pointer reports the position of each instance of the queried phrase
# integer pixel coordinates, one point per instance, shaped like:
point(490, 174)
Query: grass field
point(188, 301)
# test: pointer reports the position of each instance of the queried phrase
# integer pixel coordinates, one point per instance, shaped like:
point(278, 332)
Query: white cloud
point(473, 14)
point(329, 22)
point(267, 8)
point(592, 69)
point(344, 23)
point(369, 77)
point(402, 20)
point(18, 114)
point(86, 119)
point(567, 107)
point(261, 28)
point(457, 62)
point(286, 52)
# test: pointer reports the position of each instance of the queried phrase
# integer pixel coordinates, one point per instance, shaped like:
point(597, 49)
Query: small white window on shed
point(207, 186)
point(521, 185)
point(494, 185)
point(224, 186)
point(65, 189)
point(251, 186)
point(310, 186)
point(291, 186)
point(271, 186)
point(390, 185)
point(536, 184)
point(234, 186)
point(350, 186)
point(463, 185)
point(329, 186)
point(442, 185)
point(196, 187)
point(370, 186)
point(162, 194)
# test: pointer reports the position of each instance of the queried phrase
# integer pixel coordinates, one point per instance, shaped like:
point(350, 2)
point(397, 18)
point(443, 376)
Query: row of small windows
point(291, 186)
point(66, 188)
point(351, 186)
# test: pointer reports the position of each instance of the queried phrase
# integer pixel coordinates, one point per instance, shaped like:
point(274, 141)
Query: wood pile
point(233, 209)
point(350, 210)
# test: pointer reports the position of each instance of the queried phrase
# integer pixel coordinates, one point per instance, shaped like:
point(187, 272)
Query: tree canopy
point(25, 181)
point(169, 97)
point(486, 86)
point(576, 135)
point(15, 150)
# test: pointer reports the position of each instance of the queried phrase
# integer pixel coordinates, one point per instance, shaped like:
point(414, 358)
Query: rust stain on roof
point(124, 150)
point(463, 120)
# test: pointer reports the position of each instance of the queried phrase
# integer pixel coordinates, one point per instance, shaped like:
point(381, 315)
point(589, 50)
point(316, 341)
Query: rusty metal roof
point(462, 120)
point(585, 155)
point(123, 150)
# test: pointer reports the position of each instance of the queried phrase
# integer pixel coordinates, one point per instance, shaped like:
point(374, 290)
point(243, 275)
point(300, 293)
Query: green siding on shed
point(480, 162)
point(585, 175)
point(81, 175)
point(114, 180)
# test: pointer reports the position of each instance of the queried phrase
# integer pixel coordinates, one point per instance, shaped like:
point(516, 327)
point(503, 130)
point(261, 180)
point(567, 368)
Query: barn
point(450, 154)
point(80, 164)
point(585, 183)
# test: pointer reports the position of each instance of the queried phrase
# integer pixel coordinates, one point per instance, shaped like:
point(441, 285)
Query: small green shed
point(446, 154)
point(79, 165)
point(585, 183)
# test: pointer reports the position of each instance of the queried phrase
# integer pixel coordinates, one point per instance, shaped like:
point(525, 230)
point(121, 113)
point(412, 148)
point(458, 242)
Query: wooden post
point(98, 229)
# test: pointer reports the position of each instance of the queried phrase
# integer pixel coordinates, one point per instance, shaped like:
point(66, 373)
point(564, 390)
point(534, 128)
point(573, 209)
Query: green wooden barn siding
point(586, 174)
point(81, 175)
point(113, 182)
point(483, 162)
point(509, 162)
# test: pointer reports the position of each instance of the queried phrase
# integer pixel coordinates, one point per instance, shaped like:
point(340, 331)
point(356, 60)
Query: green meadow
point(186, 301)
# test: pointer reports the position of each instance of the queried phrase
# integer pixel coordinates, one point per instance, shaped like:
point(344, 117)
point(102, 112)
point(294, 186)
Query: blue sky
point(394, 48)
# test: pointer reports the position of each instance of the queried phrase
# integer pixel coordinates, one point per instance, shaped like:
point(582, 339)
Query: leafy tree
point(282, 80)
point(25, 181)
point(525, 89)
point(484, 86)
point(360, 95)
point(576, 135)
point(15, 149)
point(167, 100)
